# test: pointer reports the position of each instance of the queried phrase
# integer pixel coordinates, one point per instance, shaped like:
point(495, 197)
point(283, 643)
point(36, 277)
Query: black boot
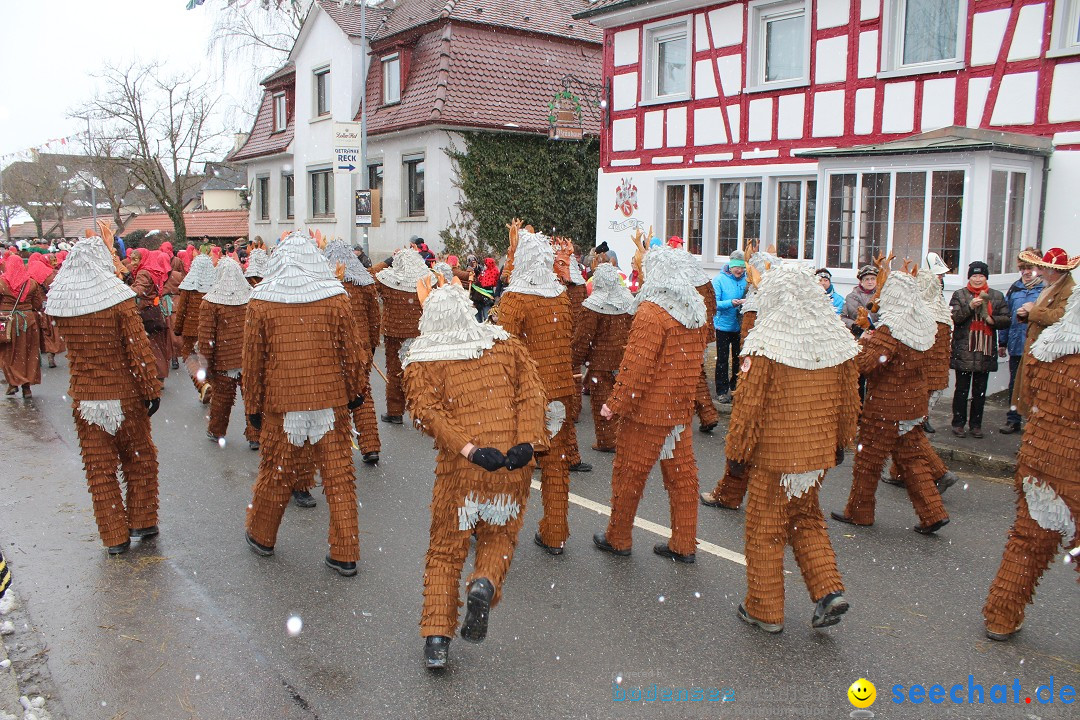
point(392, 419)
point(303, 499)
point(927, 427)
point(600, 540)
point(664, 550)
point(436, 652)
point(343, 567)
point(829, 609)
point(119, 549)
point(371, 458)
point(144, 533)
point(580, 466)
point(474, 629)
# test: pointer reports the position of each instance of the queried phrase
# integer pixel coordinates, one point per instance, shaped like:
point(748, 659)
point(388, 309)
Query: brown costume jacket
point(600, 339)
point(546, 327)
point(365, 304)
point(186, 314)
point(400, 313)
point(896, 382)
point(221, 336)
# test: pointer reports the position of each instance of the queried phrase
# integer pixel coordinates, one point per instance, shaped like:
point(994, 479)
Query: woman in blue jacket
point(825, 280)
point(730, 289)
point(1011, 340)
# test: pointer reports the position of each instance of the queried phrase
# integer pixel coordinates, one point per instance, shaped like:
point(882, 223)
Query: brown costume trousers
point(133, 450)
point(600, 387)
point(730, 490)
point(221, 404)
point(368, 427)
point(191, 361)
point(278, 461)
point(703, 405)
point(877, 439)
point(449, 546)
point(395, 395)
point(636, 451)
point(1029, 551)
point(773, 520)
point(555, 486)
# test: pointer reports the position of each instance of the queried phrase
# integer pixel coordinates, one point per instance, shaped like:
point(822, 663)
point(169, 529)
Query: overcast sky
point(51, 48)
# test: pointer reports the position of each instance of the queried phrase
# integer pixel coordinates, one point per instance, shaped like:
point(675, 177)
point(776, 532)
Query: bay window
point(739, 210)
point(796, 206)
point(1008, 191)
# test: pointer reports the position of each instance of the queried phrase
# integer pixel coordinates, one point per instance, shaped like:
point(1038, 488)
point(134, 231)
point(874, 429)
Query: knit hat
point(534, 263)
point(230, 288)
point(449, 330)
point(86, 282)
point(201, 275)
point(796, 324)
point(337, 251)
point(1060, 339)
point(298, 274)
point(405, 270)
point(667, 284)
point(609, 296)
point(866, 270)
point(257, 264)
point(978, 268)
point(903, 311)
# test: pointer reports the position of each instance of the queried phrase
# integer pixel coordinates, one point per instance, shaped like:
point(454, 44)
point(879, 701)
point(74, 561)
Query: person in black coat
point(978, 313)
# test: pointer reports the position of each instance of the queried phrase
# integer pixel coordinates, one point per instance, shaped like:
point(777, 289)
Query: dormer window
point(391, 74)
point(281, 119)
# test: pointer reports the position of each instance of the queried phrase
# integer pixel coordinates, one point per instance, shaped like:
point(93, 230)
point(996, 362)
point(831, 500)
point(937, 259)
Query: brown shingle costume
point(796, 404)
point(470, 383)
point(568, 270)
point(535, 308)
point(303, 365)
point(186, 316)
point(892, 360)
point(364, 300)
point(1048, 309)
point(600, 337)
point(1047, 484)
point(400, 317)
point(113, 383)
point(653, 400)
point(221, 343)
point(703, 404)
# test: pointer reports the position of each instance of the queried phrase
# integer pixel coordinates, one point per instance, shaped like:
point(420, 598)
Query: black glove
point(839, 455)
point(488, 458)
point(519, 456)
point(152, 406)
point(356, 402)
point(256, 421)
point(738, 468)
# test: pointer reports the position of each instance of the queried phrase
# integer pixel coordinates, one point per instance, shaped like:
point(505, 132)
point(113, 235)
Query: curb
point(9, 686)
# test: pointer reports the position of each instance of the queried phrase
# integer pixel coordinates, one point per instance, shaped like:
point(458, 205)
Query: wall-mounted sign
point(564, 117)
point(347, 148)
point(367, 201)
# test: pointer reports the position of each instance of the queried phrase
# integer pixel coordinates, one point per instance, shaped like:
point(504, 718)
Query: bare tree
point(105, 169)
point(40, 189)
point(163, 129)
point(257, 26)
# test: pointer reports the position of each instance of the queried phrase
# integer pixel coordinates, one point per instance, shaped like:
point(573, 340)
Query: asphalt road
point(193, 625)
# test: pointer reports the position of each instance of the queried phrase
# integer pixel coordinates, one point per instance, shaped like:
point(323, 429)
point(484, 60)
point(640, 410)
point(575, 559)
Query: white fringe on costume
point(298, 274)
point(337, 251)
point(230, 287)
point(405, 270)
point(449, 331)
point(668, 285)
point(667, 450)
point(796, 484)
point(86, 282)
point(904, 312)
point(554, 417)
point(308, 425)
point(106, 414)
point(534, 262)
point(201, 276)
point(497, 510)
point(609, 296)
point(1048, 509)
point(1060, 339)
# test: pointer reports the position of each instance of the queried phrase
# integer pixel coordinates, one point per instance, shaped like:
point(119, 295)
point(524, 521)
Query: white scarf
point(668, 285)
point(298, 274)
point(904, 312)
point(609, 296)
point(86, 282)
point(1060, 339)
point(405, 271)
point(796, 324)
point(230, 288)
point(534, 263)
point(449, 331)
point(201, 276)
point(337, 252)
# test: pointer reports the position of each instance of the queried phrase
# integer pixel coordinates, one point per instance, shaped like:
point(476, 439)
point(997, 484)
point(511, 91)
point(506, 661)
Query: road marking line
point(703, 545)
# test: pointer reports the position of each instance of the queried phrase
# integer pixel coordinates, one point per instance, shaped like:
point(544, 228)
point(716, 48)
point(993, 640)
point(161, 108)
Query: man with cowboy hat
point(1055, 267)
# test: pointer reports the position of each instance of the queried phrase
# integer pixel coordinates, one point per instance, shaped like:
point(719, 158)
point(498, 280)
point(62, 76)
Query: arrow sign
point(347, 148)
point(350, 167)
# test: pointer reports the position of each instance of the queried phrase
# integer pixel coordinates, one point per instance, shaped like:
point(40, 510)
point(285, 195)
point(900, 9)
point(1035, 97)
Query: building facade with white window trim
point(823, 127)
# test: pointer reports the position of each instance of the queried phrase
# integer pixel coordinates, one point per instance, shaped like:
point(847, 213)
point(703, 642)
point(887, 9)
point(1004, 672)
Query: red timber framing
point(985, 90)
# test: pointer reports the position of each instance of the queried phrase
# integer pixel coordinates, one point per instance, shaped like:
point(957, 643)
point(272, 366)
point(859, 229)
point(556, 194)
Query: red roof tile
point(211, 223)
point(347, 16)
point(73, 227)
point(262, 140)
point(468, 76)
point(551, 17)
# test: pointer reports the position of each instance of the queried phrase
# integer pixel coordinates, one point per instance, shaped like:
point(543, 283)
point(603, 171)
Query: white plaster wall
point(864, 110)
point(868, 53)
point(831, 63)
point(760, 125)
point(987, 34)
point(726, 23)
point(1065, 93)
point(1027, 39)
point(704, 80)
point(676, 127)
point(829, 113)
point(625, 46)
point(221, 199)
point(832, 13)
point(624, 91)
point(730, 69)
point(939, 103)
point(898, 108)
point(709, 126)
point(790, 116)
point(1016, 99)
point(624, 134)
point(1062, 211)
point(269, 230)
point(978, 89)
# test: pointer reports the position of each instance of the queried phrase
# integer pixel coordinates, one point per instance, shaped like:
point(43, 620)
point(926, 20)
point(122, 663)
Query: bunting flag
point(192, 4)
point(26, 153)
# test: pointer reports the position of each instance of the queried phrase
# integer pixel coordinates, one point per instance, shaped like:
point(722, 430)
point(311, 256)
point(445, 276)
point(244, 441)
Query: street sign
point(366, 201)
point(347, 148)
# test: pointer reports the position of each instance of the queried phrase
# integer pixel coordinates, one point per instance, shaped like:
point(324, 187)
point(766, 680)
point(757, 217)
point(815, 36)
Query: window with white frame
point(738, 215)
point(796, 208)
point(684, 213)
point(391, 79)
point(413, 178)
point(281, 119)
point(288, 195)
point(375, 182)
point(924, 33)
point(666, 75)
point(322, 193)
point(778, 35)
point(262, 197)
point(321, 84)
point(1065, 35)
point(907, 212)
point(1008, 192)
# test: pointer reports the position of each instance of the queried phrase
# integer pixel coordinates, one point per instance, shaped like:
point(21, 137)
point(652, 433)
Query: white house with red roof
point(835, 129)
point(434, 70)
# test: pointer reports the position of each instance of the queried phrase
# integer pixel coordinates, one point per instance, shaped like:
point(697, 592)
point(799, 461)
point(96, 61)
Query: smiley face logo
point(862, 693)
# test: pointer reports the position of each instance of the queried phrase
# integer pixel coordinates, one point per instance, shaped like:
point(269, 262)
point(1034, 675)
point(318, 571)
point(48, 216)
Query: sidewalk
point(994, 454)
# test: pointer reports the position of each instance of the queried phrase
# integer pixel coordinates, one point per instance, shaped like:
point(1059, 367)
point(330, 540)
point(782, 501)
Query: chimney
point(238, 140)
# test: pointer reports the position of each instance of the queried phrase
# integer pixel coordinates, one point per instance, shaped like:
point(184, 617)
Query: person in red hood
point(42, 271)
point(21, 299)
